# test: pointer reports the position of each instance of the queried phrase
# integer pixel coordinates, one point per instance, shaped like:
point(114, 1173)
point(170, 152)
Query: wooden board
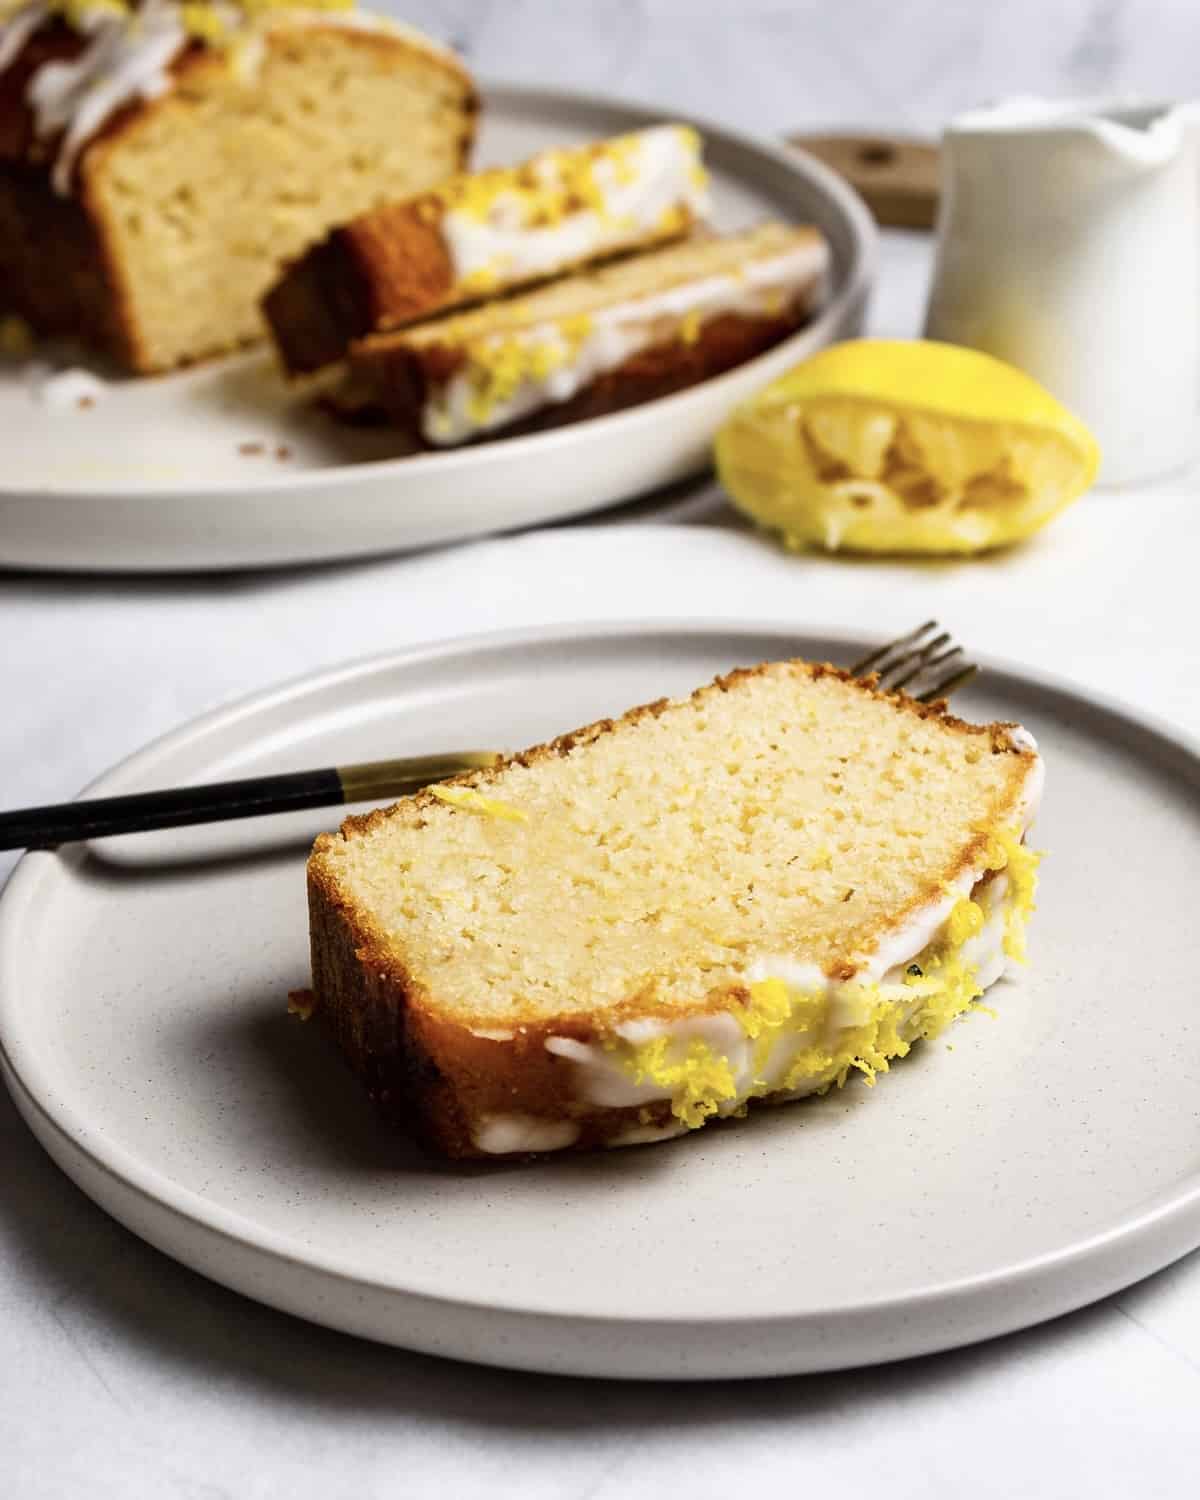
point(898, 178)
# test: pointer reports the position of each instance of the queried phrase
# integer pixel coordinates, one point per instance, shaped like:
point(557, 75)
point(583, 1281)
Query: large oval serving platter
point(224, 467)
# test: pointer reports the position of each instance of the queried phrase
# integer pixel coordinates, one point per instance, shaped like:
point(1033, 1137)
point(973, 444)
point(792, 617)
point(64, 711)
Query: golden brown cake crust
point(58, 269)
point(376, 272)
point(437, 1073)
point(380, 271)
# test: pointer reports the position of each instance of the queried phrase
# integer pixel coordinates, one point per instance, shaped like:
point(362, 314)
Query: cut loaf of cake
point(160, 162)
point(483, 234)
point(596, 341)
point(615, 937)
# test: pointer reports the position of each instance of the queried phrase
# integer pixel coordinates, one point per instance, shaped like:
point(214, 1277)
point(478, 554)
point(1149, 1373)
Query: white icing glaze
point(498, 1135)
point(661, 174)
point(128, 58)
point(644, 1135)
point(985, 951)
point(60, 389)
point(17, 30)
point(123, 62)
point(1035, 782)
point(451, 413)
point(602, 1081)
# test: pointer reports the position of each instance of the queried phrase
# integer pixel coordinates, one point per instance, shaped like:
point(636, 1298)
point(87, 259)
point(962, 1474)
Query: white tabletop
point(122, 1374)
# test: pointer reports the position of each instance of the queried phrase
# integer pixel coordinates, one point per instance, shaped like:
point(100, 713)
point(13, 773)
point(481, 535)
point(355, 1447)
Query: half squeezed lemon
point(884, 445)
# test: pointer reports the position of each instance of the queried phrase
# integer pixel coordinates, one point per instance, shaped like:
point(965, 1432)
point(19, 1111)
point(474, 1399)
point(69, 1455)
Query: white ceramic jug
point(1069, 244)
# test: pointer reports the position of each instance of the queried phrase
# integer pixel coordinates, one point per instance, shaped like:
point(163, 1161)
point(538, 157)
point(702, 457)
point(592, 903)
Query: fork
point(931, 662)
point(909, 660)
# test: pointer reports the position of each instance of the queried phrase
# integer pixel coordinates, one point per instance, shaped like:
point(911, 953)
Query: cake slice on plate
point(484, 234)
point(596, 341)
point(614, 938)
point(160, 161)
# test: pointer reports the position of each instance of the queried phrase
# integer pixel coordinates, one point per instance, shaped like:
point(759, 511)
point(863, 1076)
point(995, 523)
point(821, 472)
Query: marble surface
point(780, 65)
point(123, 1375)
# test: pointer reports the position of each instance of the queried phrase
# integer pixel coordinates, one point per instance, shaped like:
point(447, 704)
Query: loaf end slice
point(180, 209)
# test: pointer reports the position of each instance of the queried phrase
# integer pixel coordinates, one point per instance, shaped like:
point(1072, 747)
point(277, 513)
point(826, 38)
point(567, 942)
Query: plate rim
point(861, 270)
point(1133, 1235)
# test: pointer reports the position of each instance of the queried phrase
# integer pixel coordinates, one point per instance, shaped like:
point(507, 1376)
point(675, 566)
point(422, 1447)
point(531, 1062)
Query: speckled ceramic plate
point(1015, 1169)
point(223, 467)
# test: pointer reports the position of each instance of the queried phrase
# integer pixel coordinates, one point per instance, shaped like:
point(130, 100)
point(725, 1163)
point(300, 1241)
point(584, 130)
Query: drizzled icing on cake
point(570, 205)
point(509, 376)
point(125, 61)
point(802, 1031)
point(129, 51)
point(16, 31)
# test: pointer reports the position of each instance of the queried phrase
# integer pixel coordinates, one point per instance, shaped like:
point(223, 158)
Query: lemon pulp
point(890, 446)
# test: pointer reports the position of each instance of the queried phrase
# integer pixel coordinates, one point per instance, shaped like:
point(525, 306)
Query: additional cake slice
point(615, 937)
point(160, 161)
point(596, 341)
point(486, 233)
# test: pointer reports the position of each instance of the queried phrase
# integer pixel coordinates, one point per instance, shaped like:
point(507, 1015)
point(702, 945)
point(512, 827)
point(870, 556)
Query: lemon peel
point(881, 445)
point(472, 801)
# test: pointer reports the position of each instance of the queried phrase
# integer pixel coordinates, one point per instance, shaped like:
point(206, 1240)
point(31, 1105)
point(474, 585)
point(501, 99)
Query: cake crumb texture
point(184, 207)
point(612, 938)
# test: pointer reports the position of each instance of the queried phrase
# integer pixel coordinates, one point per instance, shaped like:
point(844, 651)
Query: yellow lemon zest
point(769, 1007)
point(202, 21)
point(690, 325)
point(965, 921)
point(502, 365)
point(544, 190)
point(78, 13)
point(472, 801)
point(941, 988)
point(699, 1081)
point(1020, 864)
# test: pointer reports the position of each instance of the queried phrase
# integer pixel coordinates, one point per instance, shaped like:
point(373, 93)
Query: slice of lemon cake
point(611, 939)
point(596, 341)
point(486, 233)
point(160, 160)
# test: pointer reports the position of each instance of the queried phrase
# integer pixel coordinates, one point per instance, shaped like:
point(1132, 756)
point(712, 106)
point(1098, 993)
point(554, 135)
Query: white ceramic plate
point(153, 476)
point(1037, 1162)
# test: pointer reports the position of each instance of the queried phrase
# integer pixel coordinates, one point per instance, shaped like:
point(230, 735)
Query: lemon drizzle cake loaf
point(161, 159)
point(596, 341)
point(486, 233)
point(611, 939)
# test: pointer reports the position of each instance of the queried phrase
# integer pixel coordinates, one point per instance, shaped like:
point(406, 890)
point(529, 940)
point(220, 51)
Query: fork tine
point(875, 661)
point(916, 657)
point(912, 666)
point(949, 684)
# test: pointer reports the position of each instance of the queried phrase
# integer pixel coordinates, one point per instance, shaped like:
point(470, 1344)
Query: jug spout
point(1067, 245)
point(1137, 136)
